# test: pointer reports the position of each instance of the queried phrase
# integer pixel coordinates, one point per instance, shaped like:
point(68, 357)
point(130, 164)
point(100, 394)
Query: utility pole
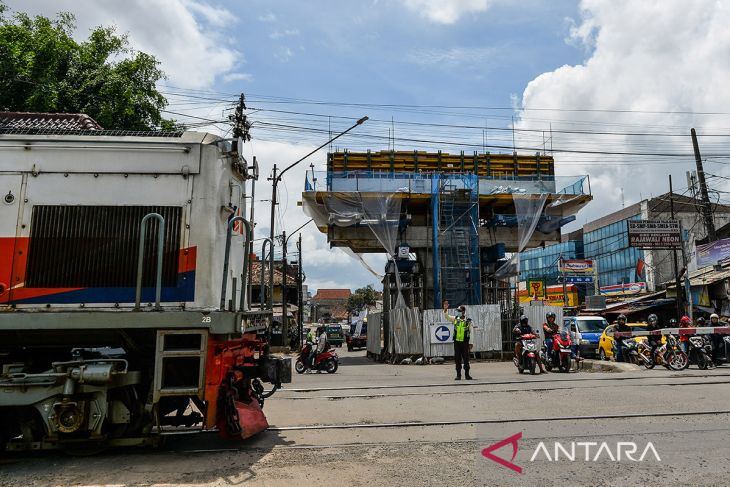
point(565, 284)
point(706, 208)
point(300, 290)
point(674, 252)
point(284, 314)
point(273, 203)
point(250, 245)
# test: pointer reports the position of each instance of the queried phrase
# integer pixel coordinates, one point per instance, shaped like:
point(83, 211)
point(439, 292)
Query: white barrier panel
point(405, 331)
point(375, 325)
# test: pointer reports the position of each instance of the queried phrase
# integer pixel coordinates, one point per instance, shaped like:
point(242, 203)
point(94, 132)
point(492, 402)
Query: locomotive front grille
point(97, 246)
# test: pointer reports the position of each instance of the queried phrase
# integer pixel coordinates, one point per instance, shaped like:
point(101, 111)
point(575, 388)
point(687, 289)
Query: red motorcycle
point(562, 350)
point(326, 360)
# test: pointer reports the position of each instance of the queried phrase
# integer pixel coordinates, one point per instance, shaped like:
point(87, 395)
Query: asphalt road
point(376, 424)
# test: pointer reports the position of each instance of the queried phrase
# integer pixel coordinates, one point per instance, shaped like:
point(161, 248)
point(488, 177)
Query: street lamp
point(275, 179)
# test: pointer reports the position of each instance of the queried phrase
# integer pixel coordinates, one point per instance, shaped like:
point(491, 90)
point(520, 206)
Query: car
point(587, 331)
point(335, 335)
point(355, 339)
point(605, 344)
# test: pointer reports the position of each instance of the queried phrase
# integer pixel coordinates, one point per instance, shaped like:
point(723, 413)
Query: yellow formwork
point(495, 165)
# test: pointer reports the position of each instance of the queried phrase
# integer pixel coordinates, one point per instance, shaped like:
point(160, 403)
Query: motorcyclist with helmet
point(654, 341)
point(717, 341)
point(524, 328)
point(551, 329)
point(618, 342)
point(685, 322)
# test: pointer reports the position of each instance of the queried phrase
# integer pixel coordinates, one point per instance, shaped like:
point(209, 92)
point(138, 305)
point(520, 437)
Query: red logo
point(512, 440)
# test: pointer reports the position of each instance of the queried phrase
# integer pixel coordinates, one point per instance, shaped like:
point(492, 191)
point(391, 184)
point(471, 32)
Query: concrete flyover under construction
point(451, 224)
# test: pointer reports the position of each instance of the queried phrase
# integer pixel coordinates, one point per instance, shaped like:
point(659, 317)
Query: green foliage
point(365, 296)
point(43, 69)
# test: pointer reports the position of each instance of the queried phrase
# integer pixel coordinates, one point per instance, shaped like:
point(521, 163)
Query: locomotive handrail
point(246, 241)
point(140, 259)
point(271, 270)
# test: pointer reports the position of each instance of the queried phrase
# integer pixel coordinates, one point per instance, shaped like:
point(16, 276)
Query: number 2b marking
point(207, 319)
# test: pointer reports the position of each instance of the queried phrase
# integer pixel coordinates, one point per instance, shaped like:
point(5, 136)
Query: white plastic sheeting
point(406, 331)
point(375, 327)
point(486, 335)
point(380, 213)
point(528, 209)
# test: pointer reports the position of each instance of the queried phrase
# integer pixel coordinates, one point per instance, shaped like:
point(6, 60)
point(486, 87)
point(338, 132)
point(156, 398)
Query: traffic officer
point(462, 335)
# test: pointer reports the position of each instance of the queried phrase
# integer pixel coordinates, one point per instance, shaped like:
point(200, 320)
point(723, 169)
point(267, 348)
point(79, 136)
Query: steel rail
point(538, 419)
point(482, 383)
point(447, 393)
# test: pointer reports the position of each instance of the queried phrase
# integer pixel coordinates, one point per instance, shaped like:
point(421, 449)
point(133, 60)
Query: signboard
point(576, 266)
point(624, 289)
point(579, 279)
point(713, 252)
point(442, 332)
point(654, 234)
point(554, 295)
point(536, 288)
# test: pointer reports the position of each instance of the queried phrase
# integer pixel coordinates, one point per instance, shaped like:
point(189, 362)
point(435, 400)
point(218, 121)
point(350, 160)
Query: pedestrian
point(618, 342)
point(462, 336)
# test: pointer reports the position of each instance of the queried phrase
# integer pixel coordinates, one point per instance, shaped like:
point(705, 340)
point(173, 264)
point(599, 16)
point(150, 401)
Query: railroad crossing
point(381, 424)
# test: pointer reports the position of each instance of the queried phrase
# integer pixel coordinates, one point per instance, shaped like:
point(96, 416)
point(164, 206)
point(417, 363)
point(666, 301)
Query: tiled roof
point(48, 121)
point(332, 294)
point(291, 280)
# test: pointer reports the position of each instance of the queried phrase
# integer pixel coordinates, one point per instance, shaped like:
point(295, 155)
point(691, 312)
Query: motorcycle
point(326, 360)
point(529, 356)
point(669, 355)
point(700, 352)
point(548, 357)
point(721, 349)
point(562, 345)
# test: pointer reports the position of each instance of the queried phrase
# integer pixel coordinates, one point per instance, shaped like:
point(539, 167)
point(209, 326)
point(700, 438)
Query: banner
point(576, 266)
point(654, 234)
point(624, 289)
point(554, 295)
point(713, 252)
point(536, 288)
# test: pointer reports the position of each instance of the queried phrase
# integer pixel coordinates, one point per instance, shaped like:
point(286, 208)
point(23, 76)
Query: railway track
point(532, 389)
point(361, 444)
point(564, 378)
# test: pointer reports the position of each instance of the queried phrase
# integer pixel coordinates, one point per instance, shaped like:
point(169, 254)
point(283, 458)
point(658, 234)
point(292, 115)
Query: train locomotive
point(124, 309)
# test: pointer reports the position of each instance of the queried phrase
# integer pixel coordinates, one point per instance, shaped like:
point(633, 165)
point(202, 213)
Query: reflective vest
point(460, 329)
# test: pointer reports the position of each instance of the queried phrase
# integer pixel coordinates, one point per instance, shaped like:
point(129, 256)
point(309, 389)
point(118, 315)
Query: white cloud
point(453, 57)
point(446, 11)
point(278, 34)
point(283, 54)
point(660, 57)
point(230, 77)
point(267, 17)
point(182, 34)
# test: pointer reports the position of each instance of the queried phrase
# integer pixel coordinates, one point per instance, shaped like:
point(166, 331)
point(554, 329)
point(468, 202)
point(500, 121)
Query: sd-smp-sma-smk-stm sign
point(655, 234)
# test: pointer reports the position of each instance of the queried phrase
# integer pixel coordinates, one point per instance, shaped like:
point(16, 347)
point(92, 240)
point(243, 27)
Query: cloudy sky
point(612, 87)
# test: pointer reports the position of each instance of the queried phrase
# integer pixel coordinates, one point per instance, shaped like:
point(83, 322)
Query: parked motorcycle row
point(706, 351)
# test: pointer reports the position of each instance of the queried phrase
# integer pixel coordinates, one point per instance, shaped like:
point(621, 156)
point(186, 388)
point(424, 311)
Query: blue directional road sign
point(579, 279)
point(442, 333)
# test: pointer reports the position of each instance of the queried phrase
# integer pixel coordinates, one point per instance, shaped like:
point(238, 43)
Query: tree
point(362, 297)
point(43, 69)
